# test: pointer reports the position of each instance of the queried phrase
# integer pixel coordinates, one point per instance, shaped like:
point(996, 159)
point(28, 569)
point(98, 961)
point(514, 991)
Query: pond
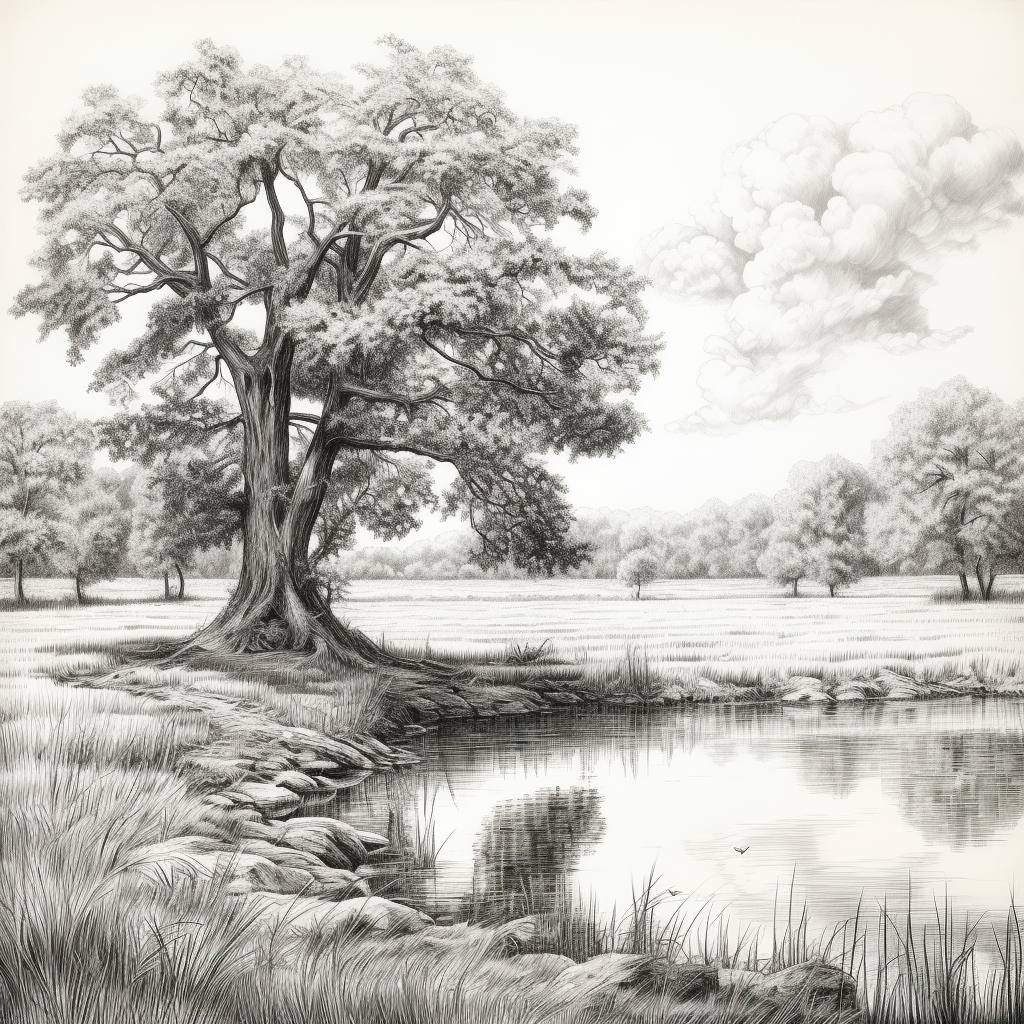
point(832, 806)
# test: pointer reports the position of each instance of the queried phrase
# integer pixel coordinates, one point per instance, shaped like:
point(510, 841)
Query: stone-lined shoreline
point(312, 872)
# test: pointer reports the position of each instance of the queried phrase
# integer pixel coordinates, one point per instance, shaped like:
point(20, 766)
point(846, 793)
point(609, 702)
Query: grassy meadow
point(738, 631)
point(95, 783)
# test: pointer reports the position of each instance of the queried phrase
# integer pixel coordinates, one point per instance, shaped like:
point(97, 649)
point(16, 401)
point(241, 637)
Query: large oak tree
point(370, 261)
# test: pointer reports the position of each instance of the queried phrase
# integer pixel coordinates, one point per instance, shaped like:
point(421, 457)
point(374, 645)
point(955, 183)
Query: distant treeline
point(944, 493)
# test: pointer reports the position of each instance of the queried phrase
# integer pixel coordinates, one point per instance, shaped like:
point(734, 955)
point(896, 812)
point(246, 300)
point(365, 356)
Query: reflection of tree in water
point(528, 846)
point(957, 789)
point(961, 790)
point(955, 773)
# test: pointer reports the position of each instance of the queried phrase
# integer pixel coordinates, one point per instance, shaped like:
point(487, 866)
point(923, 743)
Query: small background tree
point(951, 470)
point(185, 502)
point(638, 569)
point(45, 451)
point(818, 526)
point(92, 535)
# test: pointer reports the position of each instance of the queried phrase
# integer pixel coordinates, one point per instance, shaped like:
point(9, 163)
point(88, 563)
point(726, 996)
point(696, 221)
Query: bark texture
point(277, 604)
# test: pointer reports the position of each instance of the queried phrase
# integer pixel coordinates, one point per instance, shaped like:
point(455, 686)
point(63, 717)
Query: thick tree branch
point(202, 272)
point(487, 378)
point(407, 402)
point(148, 258)
point(277, 219)
point(382, 246)
point(330, 242)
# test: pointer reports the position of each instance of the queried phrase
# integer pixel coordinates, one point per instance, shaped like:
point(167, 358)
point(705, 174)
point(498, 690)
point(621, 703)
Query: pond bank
point(168, 797)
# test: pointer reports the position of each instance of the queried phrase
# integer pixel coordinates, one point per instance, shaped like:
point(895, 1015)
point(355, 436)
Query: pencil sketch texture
point(410, 295)
point(821, 237)
point(751, 758)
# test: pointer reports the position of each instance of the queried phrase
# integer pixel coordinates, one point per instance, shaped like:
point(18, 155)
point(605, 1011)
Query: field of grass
point(726, 630)
point(739, 631)
point(92, 781)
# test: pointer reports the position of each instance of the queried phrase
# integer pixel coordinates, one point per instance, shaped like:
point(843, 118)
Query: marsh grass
point(911, 972)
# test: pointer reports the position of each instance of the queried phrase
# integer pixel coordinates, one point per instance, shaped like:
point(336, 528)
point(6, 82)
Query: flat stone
point(804, 690)
point(708, 690)
point(605, 973)
point(562, 697)
point(372, 840)
point(812, 981)
point(286, 856)
point(297, 782)
point(335, 842)
point(370, 913)
point(677, 980)
point(218, 800)
point(272, 800)
point(238, 798)
point(859, 689)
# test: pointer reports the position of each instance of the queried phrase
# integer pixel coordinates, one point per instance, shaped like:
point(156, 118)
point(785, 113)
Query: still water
point(855, 803)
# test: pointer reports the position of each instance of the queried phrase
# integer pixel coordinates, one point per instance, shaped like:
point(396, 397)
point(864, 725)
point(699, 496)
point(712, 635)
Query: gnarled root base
point(267, 646)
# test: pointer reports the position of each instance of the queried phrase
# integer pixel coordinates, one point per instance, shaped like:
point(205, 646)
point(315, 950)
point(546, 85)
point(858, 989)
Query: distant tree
point(750, 520)
point(784, 562)
point(818, 526)
point(707, 542)
point(44, 452)
point(187, 501)
point(951, 475)
point(386, 250)
point(636, 536)
point(638, 569)
point(92, 534)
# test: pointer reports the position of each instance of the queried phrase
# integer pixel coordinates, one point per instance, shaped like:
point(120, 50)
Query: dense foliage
point(336, 271)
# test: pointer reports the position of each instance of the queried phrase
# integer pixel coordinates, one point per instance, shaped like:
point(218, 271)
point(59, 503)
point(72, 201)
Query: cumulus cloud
point(822, 237)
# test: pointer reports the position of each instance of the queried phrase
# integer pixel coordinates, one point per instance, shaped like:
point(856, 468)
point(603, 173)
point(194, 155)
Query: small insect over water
point(741, 849)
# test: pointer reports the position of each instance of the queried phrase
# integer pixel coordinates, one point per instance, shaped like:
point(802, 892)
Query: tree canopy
point(370, 262)
point(44, 452)
point(818, 526)
point(951, 470)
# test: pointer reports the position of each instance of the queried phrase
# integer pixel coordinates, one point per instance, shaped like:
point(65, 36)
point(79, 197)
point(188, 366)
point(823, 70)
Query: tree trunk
point(19, 580)
point(78, 588)
point(276, 605)
point(795, 582)
point(965, 590)
point(981, 580)
point(638, 592)
point(181, 582)
point(831, 590)
point(988, 586)
point(167, 586)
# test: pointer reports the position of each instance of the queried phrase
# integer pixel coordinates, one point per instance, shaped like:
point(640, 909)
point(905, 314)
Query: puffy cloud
point(821, 237)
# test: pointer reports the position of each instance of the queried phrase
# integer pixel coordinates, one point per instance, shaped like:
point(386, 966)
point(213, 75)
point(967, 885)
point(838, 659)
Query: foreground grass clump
point(87, 789)
point(904, 972)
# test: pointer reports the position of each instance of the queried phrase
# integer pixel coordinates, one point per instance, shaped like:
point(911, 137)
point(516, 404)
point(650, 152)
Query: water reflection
point(859, 800)
point(527, 847)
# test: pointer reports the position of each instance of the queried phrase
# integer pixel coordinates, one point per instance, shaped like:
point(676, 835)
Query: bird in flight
point(741, 849)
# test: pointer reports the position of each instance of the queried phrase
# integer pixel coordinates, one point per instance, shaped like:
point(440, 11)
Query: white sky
point(659, 92)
